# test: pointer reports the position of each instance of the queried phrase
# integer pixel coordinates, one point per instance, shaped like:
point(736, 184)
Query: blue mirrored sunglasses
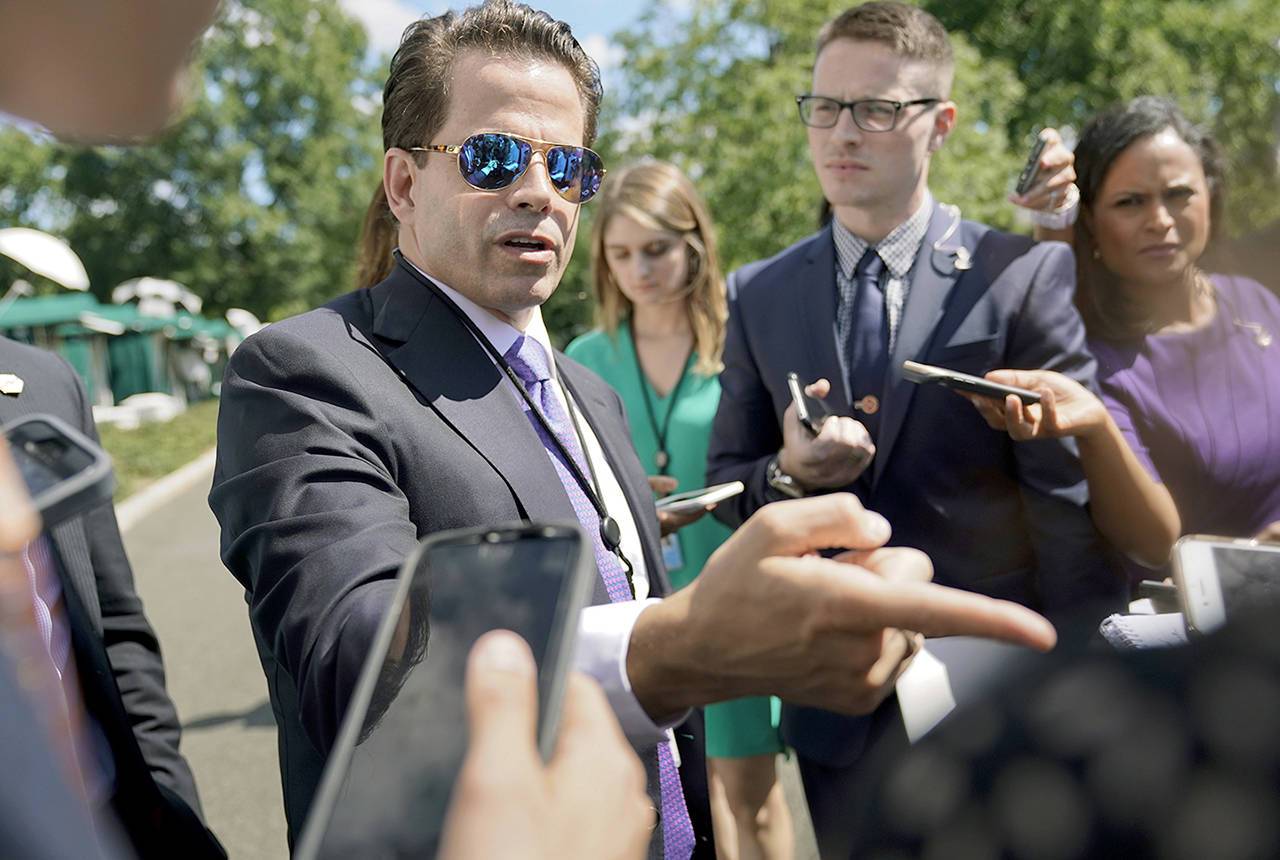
point(492, 160)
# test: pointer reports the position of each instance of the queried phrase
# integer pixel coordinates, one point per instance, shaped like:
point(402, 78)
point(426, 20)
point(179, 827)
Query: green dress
point(743, 727)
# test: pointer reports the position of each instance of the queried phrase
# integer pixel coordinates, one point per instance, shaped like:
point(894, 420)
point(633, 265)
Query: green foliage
point(151, 451)
point(709, 84)
point(254, 197)
point(1219, 59)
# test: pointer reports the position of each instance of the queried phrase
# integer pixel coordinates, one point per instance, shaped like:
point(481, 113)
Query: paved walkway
point(214, 676)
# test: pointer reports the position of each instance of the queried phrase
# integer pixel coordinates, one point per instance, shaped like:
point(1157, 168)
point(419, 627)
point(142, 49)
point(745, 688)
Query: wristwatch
point(781, 481)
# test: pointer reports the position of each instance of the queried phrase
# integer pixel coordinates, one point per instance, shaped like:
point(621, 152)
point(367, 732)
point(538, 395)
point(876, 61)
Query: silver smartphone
point(697, 500)
point(390, 775)
point(1218, 577)
point(812, 411)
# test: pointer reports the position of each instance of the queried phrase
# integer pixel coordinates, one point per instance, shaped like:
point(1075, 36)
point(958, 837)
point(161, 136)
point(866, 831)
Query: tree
point(1219, 59)
point(709, 85)
point(254, 197)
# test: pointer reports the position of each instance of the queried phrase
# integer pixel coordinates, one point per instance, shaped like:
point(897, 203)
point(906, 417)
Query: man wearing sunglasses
point(433, 400)
point(897, 275)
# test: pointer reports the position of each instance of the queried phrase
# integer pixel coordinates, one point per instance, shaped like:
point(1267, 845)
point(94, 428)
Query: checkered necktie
point(529, 361)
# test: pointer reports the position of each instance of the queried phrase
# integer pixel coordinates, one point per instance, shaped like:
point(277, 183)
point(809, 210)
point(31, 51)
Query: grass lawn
point(153, 450)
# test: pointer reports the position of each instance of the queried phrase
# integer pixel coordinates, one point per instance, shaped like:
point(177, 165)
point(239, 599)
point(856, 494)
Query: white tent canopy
point(156, 296)
point(45, 255)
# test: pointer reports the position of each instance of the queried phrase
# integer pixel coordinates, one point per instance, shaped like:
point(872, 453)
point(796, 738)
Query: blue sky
point(593, 21)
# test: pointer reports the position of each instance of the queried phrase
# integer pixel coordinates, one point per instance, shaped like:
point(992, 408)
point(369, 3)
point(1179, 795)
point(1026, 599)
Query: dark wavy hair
point(1107, 311)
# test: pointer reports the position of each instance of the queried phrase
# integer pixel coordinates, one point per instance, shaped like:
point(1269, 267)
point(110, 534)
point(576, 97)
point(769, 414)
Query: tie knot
point(528, 359)
point(870, 265)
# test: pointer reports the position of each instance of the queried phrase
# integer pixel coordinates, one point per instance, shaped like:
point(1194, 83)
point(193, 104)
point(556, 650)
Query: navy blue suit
point(1002, 518)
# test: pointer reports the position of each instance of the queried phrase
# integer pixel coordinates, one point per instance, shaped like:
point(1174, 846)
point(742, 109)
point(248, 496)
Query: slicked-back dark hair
point(416, 97)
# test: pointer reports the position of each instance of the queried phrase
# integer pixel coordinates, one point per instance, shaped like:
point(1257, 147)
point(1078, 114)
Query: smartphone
point(387, 784)
point(1031, 170)
point(696, 500)
point(1219, 576)
point(1163, 595)
point(812, 411)
point(66, 473)
point(914, 371)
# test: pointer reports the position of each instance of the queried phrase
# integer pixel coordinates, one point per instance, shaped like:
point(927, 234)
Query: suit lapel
point(434, 352)
point(933, 278)
point(816, 303)
point(71, 548)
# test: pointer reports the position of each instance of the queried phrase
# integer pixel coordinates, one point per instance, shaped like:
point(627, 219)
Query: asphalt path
point(215, 679)
point(199, 613)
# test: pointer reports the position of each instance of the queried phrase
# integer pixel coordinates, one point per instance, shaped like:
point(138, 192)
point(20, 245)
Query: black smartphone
point(1031, 170)
point(914, 371)
point(390, 774)
point(812, 411)
point(66, 473)
point(1220, 576)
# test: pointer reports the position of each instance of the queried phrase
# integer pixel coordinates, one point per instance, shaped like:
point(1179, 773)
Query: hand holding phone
point(65, 472)
point(812, 411)
point(392, 768)
point(595, 775)
point(914, 371)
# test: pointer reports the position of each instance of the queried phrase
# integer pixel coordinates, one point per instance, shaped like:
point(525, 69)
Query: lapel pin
point(11, 384)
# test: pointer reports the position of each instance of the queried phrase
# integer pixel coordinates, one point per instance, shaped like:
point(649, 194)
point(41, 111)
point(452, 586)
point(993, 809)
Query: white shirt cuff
point(604, 634)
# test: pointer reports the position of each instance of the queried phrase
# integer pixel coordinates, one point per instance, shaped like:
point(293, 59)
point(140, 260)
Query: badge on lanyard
point(672, 557)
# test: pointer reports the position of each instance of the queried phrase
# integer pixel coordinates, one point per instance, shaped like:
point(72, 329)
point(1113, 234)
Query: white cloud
point(384, 20)
point(607, 54)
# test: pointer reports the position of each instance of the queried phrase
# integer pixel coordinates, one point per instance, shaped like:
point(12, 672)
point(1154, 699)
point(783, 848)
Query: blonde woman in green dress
point(661, 308)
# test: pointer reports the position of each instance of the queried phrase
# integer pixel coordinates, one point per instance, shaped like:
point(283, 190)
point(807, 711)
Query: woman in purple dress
point(1186, 436)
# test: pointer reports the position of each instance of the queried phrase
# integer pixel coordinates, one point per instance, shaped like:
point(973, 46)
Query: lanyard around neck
point(610, 531)
point(661, 459)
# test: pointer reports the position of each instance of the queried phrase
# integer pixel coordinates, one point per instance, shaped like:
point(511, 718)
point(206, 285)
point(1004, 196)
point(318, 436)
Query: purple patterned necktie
point(529, 361)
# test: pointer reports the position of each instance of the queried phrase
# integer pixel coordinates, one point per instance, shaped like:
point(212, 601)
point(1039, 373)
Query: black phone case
point(1031, 170)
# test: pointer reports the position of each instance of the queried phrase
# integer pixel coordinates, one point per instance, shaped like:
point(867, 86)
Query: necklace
point(661, 459)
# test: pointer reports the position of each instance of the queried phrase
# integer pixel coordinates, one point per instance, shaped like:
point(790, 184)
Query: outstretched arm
point(768, 616)
point(1131, 509)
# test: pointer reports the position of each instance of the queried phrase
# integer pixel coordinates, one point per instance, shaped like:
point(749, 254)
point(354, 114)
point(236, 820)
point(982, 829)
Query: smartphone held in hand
point(1031, 170)
point(812, 411)
point(697, 500)
point(387, 783)
point(914, 371)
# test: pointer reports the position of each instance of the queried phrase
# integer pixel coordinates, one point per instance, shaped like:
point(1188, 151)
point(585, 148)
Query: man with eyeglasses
point(433, 400)
point(898, 275)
